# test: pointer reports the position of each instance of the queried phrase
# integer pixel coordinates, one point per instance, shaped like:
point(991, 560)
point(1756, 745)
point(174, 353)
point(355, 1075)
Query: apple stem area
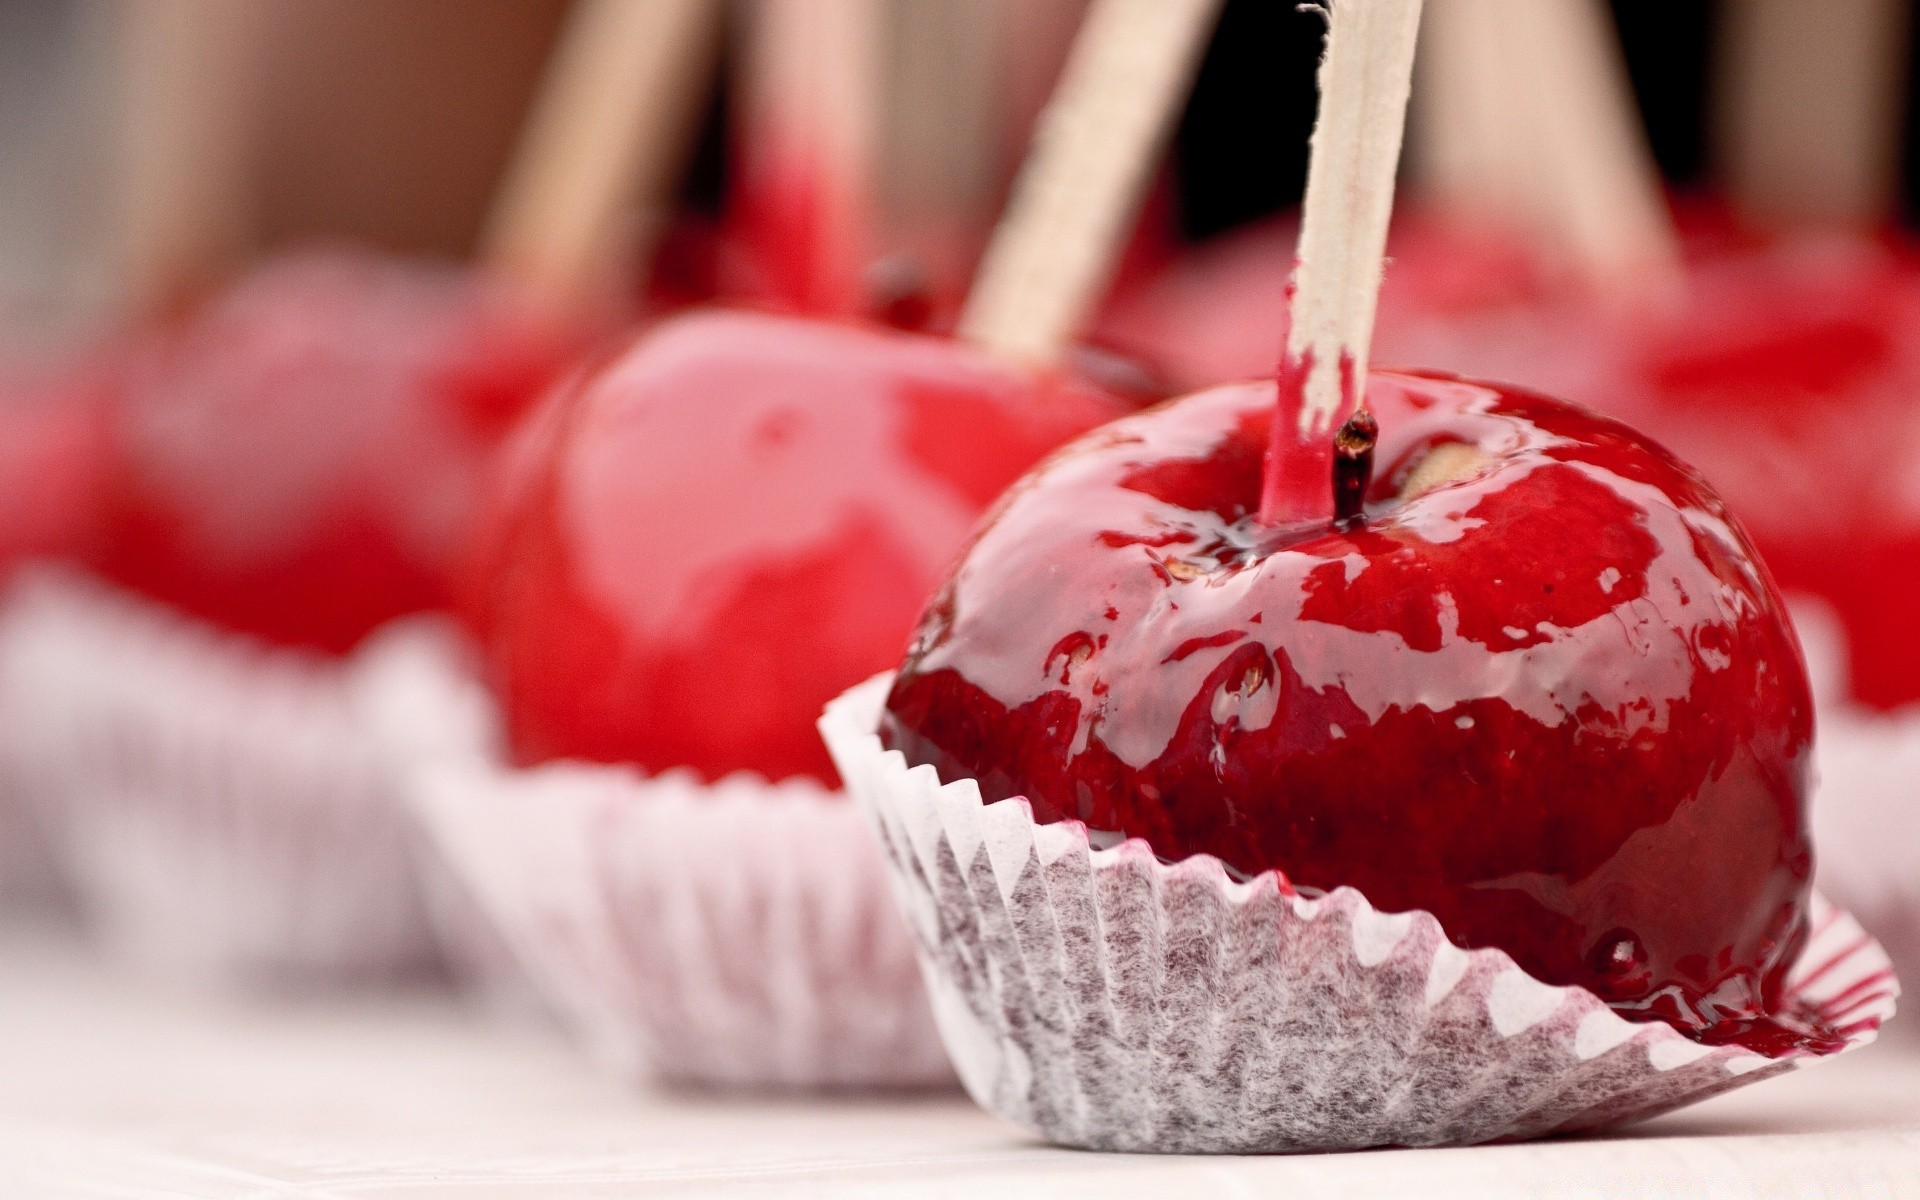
point(1353, 464)
point(1364, 79)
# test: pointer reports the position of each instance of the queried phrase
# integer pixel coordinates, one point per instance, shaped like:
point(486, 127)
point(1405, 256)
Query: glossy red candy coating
point(736, 521)
point(301, 459)
point(1556, 703)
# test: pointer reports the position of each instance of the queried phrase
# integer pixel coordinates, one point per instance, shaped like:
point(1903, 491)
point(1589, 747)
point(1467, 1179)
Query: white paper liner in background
point(1866, 795)
point(1866, 821)
point(217, 805)
point(1104, 999)
point(735, 934)
point(423, 704)
point(29, 875)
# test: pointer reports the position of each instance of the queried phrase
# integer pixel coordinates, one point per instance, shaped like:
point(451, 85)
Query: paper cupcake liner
point(217, 805)
point(29, 874)
point(424, 706)
point(735, 934)
point(29, 877)
point(1104, 999)
point(1867, 786)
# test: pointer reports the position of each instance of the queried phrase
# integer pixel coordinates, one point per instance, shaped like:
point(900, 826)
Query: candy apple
point(301, 459)
point(1531, 678)
point(696, 549)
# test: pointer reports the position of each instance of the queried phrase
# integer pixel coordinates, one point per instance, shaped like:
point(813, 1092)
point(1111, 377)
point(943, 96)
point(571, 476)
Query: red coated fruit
point(1541, 688)
point(301, 460)
point(736, 521)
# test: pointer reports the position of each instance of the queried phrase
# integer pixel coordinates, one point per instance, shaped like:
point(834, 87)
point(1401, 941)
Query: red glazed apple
point(1538, 685)
point(301, 459)
point(734, 522)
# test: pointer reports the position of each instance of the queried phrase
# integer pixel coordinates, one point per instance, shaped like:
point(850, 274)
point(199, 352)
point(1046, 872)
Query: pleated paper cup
point(1108, 1000)
point(29, 874)
point(425, 708)
point(1866, 767)
point(30, 879)
point(218, 806)
point(734, 934)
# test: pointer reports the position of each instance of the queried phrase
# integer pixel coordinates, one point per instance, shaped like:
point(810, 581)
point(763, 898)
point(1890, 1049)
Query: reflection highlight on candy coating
point(734, 521)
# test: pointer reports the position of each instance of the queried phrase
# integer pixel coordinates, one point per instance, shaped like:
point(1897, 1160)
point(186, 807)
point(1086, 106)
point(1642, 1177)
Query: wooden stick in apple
point(1034, 39)
point(188, 97)
point(1053, 254)
point(1807, 108)
point(605, 142)
point(809, 147)
point(1365, 77)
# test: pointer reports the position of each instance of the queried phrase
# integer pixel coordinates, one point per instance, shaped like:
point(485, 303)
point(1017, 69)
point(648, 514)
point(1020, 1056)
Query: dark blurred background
point(385, 143)
point(1242, 147)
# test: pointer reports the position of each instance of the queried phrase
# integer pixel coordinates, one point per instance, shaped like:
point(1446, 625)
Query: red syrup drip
point(1555, 703)
point(1298, 482)
point(799, 229)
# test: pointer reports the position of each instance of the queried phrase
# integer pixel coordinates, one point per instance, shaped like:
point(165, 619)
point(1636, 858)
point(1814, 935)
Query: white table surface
point(112, 1087)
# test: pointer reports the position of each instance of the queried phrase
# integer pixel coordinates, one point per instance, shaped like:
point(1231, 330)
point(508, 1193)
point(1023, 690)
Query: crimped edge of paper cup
point(163, 822)
point(737, 933)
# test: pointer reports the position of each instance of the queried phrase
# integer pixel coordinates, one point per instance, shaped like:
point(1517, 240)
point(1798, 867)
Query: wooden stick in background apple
point(1053, 254)
point(1034, 39)
point(1365, 78)
point(942, 173)
point(591, 186)
point(809, 146)
point(942, 140)
point(1461, 123)
point(1531, 119)
point(1600, 188)
point(188, 96)
point(1807, 108)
